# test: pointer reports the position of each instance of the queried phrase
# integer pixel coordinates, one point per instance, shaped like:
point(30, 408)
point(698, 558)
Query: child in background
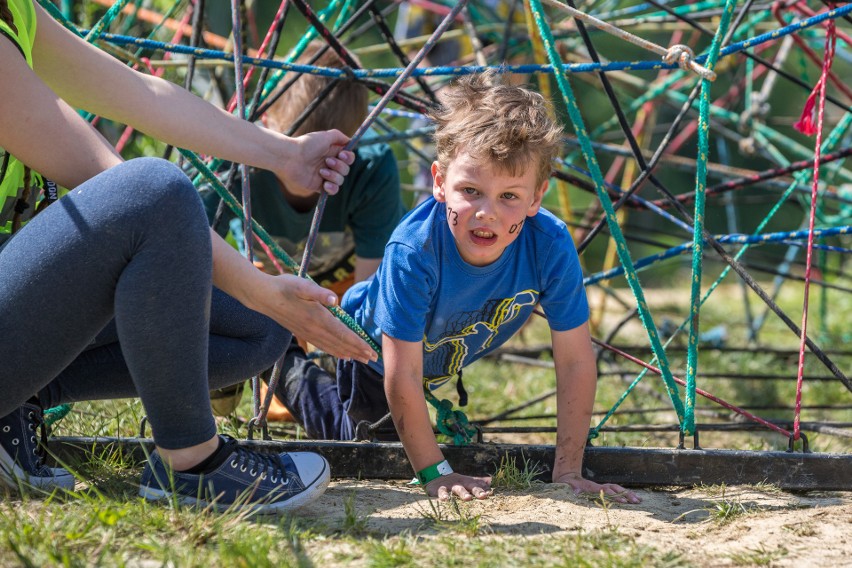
point(357, 222)
point(461, 274)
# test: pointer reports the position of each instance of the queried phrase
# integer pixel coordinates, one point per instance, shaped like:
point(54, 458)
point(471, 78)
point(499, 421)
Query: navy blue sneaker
point(22, 455)
point(244, 480)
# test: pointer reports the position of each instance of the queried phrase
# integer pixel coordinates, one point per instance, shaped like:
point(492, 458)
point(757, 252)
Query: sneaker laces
point(37, 425)
point(265, 465)
point(40, 451)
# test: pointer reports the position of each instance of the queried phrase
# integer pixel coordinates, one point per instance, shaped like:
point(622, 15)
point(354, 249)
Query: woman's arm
point(41, 130)
point(295, 303)
point(90, 79)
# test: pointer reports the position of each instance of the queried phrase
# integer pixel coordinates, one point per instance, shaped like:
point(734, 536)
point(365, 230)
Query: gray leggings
point(107, 294)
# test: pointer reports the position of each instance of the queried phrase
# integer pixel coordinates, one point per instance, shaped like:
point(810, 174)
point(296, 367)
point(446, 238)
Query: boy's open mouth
point(483, 237)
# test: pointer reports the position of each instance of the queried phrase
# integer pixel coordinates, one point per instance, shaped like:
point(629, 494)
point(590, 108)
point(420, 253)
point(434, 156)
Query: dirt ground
point(778, 529)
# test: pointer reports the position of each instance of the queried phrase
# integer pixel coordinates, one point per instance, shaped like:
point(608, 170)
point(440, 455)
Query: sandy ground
point(813, 529)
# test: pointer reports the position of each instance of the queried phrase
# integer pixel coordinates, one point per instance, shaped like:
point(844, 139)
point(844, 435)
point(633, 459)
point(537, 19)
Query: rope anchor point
point(684, 57)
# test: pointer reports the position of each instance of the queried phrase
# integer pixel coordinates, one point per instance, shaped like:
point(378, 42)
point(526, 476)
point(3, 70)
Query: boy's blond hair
point(345, 107)
point(506, 125)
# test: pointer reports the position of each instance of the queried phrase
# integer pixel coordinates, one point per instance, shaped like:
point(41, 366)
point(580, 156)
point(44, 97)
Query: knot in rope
point(452, 423)
point(684, 57)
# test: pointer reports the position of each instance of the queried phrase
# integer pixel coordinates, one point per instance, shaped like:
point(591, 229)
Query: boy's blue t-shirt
point(424, 290)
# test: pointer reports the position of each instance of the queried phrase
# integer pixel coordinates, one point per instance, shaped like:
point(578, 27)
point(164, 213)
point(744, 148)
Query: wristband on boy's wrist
point(433, 472)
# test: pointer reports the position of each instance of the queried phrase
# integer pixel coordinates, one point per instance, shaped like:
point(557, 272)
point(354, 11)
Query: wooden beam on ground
point(635, 467)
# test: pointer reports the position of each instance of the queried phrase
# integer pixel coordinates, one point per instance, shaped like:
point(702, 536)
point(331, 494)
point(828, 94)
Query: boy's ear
point(537, 197)
point(438, 183)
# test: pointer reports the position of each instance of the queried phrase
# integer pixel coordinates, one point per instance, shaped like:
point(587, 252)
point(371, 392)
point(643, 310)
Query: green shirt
point(357, 221)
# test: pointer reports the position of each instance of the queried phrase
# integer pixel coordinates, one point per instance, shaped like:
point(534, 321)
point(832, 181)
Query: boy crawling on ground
point(460, 275)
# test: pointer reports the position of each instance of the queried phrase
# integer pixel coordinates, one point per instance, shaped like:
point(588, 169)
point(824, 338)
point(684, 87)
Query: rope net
point(666, 105)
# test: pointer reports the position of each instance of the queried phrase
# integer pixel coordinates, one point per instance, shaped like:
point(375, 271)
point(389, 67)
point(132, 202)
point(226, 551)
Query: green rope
point(55, 414)
point(172, 9)
point(451, 423)
point(344, 14)
point(300, 47)
point(800, 178)
point(688, 425)
point(51, 9)
point(105, 21)
point(603, 196)
point(131, 19)
point(276, 249)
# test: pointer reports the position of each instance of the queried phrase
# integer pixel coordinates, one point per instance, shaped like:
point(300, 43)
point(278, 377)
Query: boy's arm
point(576, 379)
point(404, 388)
point(365, 267)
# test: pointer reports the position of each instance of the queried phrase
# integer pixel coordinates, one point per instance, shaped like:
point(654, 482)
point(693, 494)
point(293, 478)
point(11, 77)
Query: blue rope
point(788, 237)
point(467, 70)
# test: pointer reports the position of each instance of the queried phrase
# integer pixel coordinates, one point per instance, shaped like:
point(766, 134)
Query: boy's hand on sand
point(613, 491)
point(464, 487)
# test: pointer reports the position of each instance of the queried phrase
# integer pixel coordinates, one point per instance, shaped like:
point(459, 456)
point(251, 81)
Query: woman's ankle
point(187, 458)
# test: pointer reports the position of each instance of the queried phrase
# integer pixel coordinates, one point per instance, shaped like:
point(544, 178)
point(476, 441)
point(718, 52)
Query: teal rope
point(800, 178)
point(55, 414)
point(603, 196)
point(451, 423)
point(688, 425)
point(51, 9)
point(105, 21)
point(276, 249)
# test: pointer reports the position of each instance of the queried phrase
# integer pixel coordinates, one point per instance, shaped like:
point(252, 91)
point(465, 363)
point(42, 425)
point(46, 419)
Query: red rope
point(819, 90)
point(128, 131)
point(702, 392)
point(261, 50)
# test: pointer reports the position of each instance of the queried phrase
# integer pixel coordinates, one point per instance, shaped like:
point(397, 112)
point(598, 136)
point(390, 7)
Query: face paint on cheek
point(516, 227)
point(454, 215)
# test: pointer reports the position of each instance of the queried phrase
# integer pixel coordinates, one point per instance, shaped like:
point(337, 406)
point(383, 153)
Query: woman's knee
point(274, 341)
point(161, 182)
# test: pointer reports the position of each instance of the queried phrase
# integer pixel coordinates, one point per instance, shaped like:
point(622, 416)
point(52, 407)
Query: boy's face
point(486, 207)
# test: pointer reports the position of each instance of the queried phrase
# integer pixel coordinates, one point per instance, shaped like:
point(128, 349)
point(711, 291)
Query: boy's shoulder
point(420, 227)
point(547, 225)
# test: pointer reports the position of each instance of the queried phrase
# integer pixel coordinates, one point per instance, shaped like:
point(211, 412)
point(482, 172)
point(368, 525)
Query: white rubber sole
point(11, 475)
point(311, 493)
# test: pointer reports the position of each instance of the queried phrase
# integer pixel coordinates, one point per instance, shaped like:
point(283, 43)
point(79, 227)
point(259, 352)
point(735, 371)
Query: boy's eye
point(508, 195)
point(470, 191)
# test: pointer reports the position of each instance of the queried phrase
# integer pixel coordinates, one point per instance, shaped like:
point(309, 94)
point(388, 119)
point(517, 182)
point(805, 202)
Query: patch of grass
point(605, 502)
point(723, 510)
point(509, 476)
point(768, 488)
point(713, 490)
point(760, 556)
point(726, 510)
point(454, 515)
point(354, 523)
point(389, 554)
